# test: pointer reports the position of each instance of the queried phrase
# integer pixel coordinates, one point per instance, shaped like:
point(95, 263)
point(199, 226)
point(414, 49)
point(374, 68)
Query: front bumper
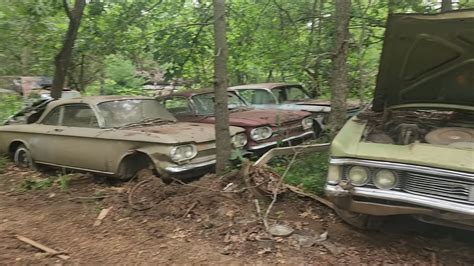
point(424, 205)
point(289, 140)
point(178, 169)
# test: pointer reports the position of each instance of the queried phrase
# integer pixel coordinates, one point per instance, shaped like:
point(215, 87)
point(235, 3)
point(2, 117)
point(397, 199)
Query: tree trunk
point(223, 145)
point(82, 82)
point(63, 58)
point(361, 50)
point(391, 6)
point(339, 72)
point(446, 5)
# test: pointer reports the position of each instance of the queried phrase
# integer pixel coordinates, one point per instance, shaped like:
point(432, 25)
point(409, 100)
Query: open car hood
point(427, 59)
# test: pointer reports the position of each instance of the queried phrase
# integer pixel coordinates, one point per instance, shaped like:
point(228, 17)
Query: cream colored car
point(115, 136)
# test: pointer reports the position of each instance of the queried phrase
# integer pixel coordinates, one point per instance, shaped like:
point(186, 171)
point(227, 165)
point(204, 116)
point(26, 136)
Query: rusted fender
point(291, 150)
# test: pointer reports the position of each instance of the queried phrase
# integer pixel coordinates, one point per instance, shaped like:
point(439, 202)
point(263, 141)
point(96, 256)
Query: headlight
point(239, 140)
point(334, 174)
point(261, 133)
point(358, 175)
point(307, 123)
point(385, 179)
point(183, 152)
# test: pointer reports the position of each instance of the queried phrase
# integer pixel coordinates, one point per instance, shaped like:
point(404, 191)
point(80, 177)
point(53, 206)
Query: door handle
point(58, 130)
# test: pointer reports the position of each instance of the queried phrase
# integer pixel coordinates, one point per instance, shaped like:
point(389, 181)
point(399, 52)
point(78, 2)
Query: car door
point(72, 138)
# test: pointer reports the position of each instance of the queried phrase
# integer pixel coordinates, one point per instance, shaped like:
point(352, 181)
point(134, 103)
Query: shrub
point(308, 170)
point(9, 104)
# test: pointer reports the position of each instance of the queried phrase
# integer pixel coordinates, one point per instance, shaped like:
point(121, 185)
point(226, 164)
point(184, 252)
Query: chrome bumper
point(422, 201)
point(274, 143)
point(189, 167)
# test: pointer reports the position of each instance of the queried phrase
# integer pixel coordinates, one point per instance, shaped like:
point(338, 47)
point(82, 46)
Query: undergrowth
point(308, 170)
point(60, 180)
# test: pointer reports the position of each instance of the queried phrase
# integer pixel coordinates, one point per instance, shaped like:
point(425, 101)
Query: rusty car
point(114, 136)
point(289, 96)
point(264, 128)
point(412, 151)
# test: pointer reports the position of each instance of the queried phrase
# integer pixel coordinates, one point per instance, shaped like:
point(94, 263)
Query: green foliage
point(9, 104)
point(64, 182)
point(3, 163)
point(121, 77)
point(61, 180)
point(283, 40)
point(308, 170)
point(37, 184)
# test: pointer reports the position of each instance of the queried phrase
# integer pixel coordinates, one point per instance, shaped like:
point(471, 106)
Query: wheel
point(23, 158)
point(360, 220)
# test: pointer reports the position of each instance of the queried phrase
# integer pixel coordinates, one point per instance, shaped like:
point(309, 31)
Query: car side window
point(296, 93)
point(79, 115)
point(257, 96)
point(178, 106)
point(53, 117)
point(280, 94)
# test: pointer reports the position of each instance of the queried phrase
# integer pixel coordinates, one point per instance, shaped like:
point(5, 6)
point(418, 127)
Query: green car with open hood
point(412, 151)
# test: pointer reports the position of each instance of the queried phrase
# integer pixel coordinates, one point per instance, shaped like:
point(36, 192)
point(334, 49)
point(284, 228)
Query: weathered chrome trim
point(337, 191)
point(75, 168)
point(274, 143)
point(189, 167)
point(403, 167)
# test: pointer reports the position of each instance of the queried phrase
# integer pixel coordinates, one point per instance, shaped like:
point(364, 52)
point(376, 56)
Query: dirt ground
point(198, 223)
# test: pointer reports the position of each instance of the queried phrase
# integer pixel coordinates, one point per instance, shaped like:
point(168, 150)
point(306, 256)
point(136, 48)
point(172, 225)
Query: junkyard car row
point(264, 128)
point(410, 152)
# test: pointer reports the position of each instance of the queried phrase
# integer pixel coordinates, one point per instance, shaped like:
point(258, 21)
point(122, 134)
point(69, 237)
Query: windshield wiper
point(146, 121)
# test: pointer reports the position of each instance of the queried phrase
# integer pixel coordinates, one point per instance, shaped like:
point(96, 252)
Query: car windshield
point(257, 96)
point(133, 111)
point(205, 103)
point(290, 93)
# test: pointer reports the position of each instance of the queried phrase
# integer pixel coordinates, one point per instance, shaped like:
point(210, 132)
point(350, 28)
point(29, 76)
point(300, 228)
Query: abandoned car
point(412, 153)
point(115, 136)
point(264, 128)
point(288, 96)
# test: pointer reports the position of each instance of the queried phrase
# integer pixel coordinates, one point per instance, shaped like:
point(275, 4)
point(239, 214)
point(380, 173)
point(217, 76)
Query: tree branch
point(67, 10)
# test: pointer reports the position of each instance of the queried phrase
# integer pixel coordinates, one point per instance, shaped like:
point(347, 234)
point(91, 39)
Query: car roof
point(189, 93)
point(94, 100)
point(262, 85)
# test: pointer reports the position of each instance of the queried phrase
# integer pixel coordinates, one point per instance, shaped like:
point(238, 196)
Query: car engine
point(403, 127)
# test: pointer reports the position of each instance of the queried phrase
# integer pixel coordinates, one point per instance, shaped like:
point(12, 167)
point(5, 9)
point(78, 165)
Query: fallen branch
point(259, 212)
point(89, 198)
point(309, 195)
point(277, 188)
point(190, 209)
point(103, 213)
point(290, 150)
point(42, 247)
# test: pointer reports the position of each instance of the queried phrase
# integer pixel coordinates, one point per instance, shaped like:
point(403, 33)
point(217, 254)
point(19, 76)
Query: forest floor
point(198, 223)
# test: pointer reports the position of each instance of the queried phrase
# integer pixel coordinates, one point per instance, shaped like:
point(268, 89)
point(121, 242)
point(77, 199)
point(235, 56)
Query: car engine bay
point(454, 128)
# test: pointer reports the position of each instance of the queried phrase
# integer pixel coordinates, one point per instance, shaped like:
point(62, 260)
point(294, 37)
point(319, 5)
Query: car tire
point(23, 158)
point(360, 220)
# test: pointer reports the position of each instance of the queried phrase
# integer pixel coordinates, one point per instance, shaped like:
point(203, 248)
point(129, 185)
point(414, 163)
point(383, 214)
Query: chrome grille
point(447, 188)
point(288, 128)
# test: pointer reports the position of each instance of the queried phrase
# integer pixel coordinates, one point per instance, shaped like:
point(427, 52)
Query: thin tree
point(339, 77)
point(446, 5)
point(220, 88)
point(63, 58)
